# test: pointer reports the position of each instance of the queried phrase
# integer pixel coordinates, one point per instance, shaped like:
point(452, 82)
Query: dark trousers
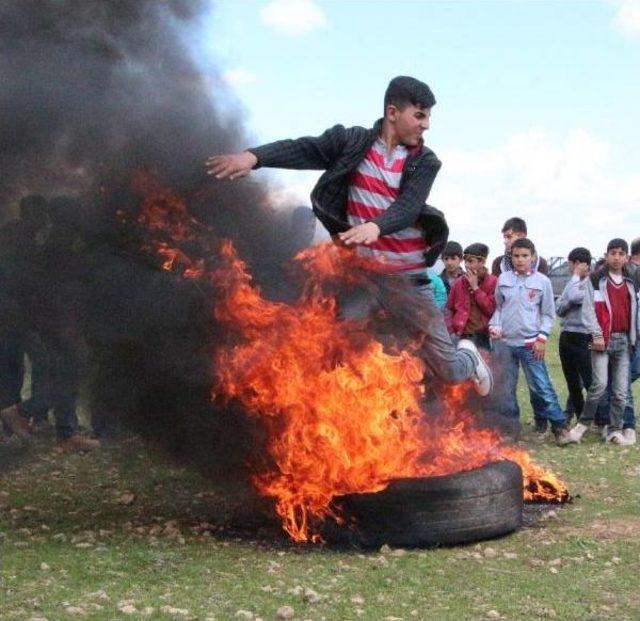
point(64, 379)
point(11, 367)
point(575, 357)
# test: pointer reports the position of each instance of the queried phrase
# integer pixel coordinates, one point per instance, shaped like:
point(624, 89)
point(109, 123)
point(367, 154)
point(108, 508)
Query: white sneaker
point(482, 376)
point(630, 435)
point(577, 433)
point(617, 437)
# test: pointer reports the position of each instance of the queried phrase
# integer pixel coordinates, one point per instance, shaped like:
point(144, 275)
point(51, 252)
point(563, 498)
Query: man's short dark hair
point(517, 225)
point(618, 244)
point(635, 246)
point(524, 242)
point(580, 255)
point(405, 91)
point(452, 249)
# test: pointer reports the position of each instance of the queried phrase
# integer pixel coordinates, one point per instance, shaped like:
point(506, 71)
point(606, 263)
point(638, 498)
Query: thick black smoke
point(93, 91)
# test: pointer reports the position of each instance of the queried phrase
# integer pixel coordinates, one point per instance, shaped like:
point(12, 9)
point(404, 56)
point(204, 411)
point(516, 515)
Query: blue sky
point(537, 100)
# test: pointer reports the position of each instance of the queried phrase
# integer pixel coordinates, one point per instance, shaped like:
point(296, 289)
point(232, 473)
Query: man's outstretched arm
point(306, 153)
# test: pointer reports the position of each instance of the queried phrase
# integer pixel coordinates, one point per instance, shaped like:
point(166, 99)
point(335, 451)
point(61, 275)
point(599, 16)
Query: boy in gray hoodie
point(575, 336)
point(523, 319)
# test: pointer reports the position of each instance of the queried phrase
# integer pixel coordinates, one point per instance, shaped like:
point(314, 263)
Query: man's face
point(409, 124)
point(509, 236)
point(473, 264)
point(452, 264)
point(522, 258)
point(616, 258)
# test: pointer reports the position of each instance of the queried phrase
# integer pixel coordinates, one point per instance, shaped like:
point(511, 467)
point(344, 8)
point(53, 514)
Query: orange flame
point(342, 415)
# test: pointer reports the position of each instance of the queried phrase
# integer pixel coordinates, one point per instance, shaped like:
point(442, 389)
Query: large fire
point(343, 414)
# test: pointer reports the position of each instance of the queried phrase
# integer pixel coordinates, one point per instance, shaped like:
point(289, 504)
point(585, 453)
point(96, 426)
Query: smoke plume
point(93, 92)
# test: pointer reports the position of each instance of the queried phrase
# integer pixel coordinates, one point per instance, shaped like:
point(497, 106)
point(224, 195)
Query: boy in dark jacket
point(452, 257)
point(372, 195)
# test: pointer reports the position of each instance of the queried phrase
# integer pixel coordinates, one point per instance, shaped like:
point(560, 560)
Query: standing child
point(523, 319)
point(471, 301)
point(575, 337)
point(611, 308)
point(452, 257)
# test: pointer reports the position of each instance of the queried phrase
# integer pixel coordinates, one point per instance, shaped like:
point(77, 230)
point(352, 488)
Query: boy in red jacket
point(471, 301)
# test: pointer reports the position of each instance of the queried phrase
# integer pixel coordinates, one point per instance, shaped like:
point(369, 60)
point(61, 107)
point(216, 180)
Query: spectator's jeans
point(413, 310)
point(538, 380)
point(575, 357)
point(615, 360)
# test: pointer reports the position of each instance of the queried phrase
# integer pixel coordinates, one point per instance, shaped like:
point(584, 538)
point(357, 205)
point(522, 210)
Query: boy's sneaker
point(482, 376)
point(617, 437)
point(577, 433)
point(630, 435)
point(563, 436)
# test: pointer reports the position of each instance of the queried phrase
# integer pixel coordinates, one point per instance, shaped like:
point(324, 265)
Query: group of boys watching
point(510, 312)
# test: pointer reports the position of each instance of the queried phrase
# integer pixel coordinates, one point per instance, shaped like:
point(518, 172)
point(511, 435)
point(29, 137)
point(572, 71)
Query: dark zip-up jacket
point(339, 151)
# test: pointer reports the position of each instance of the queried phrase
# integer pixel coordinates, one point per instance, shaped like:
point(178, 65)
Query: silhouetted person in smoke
point(372, 195)
point(20, 242)
point(61, 303)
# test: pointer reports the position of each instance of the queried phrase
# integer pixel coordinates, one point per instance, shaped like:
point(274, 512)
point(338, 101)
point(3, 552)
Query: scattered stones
point(310, 596)
point(285, 612)
point(170, 610)
point(489, 553)
point(246, 615)
point(128, 498)
point(127, 607)
point(75, 610)
point(493, 614)
point(44, 567)
point(358, 600)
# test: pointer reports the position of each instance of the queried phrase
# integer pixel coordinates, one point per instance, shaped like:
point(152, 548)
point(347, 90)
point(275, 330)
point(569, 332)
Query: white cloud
point(627, 17)
point(293, 17)
point(566, 188)
point(239, 77)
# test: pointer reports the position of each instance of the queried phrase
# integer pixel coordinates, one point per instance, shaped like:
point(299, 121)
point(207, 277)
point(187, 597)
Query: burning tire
point(423, 512)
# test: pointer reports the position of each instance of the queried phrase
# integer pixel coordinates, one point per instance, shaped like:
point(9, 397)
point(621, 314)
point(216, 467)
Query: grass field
point(123, 534)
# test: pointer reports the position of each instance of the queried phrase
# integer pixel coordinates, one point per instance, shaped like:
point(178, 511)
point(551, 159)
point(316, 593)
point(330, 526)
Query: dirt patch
point(613, 529)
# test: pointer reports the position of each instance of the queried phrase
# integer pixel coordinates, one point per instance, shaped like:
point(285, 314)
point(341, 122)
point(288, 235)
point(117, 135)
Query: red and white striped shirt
point(373, 186)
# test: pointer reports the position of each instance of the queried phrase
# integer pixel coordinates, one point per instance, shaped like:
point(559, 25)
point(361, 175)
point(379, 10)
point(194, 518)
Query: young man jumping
point(372, 195)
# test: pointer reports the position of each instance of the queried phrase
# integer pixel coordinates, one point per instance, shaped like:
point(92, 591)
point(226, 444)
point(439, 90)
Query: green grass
point(72, 546)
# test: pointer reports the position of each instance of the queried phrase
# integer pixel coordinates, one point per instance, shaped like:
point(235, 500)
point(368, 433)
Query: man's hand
point(231, 166)
point(597, 344)
point(495, 333)
point(365, 234)
point(539, 348)
point(472, 279)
